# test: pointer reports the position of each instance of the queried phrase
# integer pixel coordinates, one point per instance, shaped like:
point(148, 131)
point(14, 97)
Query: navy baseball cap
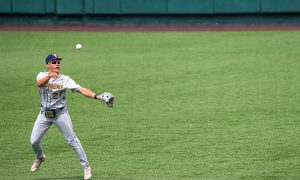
point(51, 57)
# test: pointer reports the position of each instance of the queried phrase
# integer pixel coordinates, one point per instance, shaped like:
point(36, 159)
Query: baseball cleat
point(37, 163)
point(87, 173)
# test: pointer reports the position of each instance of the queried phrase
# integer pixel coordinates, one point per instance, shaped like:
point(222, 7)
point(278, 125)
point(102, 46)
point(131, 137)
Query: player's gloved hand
point(108, 98)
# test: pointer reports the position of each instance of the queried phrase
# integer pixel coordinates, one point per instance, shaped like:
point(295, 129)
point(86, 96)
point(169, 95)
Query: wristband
point(95, 96)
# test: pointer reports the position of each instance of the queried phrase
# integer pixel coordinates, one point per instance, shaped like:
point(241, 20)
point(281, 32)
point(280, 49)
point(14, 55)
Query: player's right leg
point(39, 129)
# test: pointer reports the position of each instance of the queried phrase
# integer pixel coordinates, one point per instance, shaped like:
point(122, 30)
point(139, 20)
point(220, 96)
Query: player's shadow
point(80, 177)
point(71, 178)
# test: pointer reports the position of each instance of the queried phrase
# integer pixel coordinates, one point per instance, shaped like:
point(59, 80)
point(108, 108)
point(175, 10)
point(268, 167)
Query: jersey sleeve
point(72, 85)
point(41, 75)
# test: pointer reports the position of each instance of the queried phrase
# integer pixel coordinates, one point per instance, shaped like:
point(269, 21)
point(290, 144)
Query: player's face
point(54, 66)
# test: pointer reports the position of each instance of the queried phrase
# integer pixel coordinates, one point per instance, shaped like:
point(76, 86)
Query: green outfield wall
point(150, 11)
point(166, 7)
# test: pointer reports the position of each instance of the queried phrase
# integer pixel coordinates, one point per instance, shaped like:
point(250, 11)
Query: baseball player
point(52, 88)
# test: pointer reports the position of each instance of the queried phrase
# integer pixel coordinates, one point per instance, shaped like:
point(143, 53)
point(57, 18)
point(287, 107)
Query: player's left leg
point(64, 124)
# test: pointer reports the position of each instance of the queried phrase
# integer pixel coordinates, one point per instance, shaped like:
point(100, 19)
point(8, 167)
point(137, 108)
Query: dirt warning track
point(147, 28)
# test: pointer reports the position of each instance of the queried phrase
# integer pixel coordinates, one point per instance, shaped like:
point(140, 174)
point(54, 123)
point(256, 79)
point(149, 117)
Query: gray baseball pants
point(64, 124)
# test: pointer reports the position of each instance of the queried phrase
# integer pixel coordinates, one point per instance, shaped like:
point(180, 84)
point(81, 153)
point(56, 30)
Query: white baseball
point(78, 46)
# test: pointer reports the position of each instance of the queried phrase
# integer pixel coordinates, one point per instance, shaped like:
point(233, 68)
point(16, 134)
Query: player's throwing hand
point(53, 75)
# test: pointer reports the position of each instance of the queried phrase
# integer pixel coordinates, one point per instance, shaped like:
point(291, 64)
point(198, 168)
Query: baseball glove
point(108, 98)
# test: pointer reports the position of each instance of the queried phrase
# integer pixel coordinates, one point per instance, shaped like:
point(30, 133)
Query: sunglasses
point(55, 62)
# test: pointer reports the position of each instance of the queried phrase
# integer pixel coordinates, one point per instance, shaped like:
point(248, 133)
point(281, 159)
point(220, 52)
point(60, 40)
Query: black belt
point(58, 109)
point(52, 109)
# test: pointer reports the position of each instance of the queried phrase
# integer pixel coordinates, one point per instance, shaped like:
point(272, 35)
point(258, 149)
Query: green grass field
point(197, 105)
